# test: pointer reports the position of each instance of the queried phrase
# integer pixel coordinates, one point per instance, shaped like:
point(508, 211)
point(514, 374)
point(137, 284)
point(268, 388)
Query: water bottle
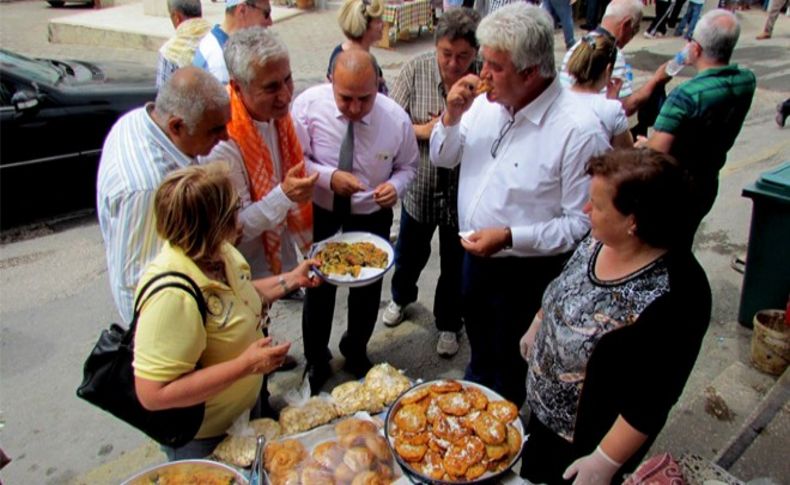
point(676, 64)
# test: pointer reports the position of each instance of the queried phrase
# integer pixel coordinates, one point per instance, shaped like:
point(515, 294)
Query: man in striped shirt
point(186, 120)
point(702, 117)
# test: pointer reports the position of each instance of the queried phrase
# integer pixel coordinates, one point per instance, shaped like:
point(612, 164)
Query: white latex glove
point(528, 339)
point(594, 469)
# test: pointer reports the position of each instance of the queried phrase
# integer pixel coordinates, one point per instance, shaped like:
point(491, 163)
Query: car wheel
point(55, 3)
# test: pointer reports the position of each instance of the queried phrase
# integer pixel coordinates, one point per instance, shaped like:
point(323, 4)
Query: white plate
point(366, 275)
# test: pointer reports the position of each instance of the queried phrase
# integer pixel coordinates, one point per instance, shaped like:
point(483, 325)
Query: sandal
point(738, 263)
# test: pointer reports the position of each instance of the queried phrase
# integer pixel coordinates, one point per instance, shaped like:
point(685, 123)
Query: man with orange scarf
point(266, 160)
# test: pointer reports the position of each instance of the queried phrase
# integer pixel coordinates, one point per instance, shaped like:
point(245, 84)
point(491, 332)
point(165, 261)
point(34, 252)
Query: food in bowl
point(188, 472)
point(343, 258)
point(454, 432)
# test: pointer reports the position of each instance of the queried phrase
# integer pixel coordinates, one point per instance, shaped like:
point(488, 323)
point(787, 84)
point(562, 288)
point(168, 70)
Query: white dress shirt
point(267, 214)
point(610, 112)
point(385, 148)
point(537, 184)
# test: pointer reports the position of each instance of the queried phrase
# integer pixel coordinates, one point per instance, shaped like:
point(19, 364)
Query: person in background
point(774, 9)
point(591, 66)
point(421, 89)
point(239, 14)
point(701, 119)
point(689, 21)
point(782, 112)
point(562, 11)
point(520, 198)
point(621, 23)
point(363, 147)
point(185, 121)
point(178, 360)
point(361, 23)
point(265, 157)
point(178, 51)
point(658, 27)
point(619, 329)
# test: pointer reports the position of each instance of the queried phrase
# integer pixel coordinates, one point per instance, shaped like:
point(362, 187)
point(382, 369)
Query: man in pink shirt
point(365, 152)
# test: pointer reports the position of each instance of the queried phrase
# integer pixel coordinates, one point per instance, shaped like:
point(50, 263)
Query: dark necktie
point(341, 204)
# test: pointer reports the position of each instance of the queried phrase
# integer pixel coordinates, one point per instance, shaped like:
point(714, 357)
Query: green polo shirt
point(705, 115)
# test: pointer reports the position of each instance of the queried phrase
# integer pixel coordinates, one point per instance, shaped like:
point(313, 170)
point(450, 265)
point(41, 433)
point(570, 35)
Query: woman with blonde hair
point(180, 359)
point(591, 66)
point(361, 23)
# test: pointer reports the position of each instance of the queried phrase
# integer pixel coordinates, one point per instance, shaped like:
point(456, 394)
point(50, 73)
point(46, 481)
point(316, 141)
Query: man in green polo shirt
point(701, 118)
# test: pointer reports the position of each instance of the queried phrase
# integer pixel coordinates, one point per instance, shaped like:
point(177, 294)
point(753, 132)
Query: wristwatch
point(281, 281)
point(508, 239)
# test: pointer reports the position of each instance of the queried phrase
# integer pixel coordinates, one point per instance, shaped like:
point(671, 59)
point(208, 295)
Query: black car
point(54, 116)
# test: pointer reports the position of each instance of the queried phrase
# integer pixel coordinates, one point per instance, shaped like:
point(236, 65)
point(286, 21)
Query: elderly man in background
point(178, 52)
point(522, 148)
point(239, 14)
point(621, 23)
point(364, 149)
point(702, 117)
point(431, 202)
point(186, 120)
point(266, 159)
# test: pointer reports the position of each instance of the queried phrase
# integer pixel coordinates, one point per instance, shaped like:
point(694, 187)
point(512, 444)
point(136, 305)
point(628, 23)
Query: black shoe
point(781, 115)
point(289, 363)
point(317, 374)
point(358, 366)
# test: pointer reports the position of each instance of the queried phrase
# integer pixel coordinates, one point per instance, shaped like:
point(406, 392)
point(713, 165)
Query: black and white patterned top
point(579, 309)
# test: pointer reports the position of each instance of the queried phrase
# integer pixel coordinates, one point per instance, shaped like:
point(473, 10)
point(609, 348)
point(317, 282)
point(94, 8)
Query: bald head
point(622, 18)
point(717, 33)
point(355, 83)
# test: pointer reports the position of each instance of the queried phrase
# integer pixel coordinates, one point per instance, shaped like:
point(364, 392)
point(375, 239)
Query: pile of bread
point(381, 387)
point(451, 432)
point(357, 454)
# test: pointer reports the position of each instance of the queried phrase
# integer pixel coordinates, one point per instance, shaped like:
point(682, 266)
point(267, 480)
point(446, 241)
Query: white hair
point(190, 96)
point(622, 9)
point(717, 33)
point(525, 32)
point(249, 49)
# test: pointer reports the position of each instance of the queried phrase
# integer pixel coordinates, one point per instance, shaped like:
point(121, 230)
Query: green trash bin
point(766, 281)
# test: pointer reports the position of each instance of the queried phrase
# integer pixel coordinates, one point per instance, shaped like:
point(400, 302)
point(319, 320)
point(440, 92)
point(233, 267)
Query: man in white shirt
point(239, 14)
point(266, 160)
point(187, 119)
point(522, 149)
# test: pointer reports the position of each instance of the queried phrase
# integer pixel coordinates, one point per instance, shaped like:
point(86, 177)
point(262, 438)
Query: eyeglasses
point(266, 11)
point(502, 133)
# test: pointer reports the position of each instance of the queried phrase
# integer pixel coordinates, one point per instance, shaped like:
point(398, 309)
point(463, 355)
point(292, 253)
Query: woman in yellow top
point(195, 210)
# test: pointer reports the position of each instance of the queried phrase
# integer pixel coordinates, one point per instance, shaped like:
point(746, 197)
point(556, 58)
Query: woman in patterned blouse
point(620, 328)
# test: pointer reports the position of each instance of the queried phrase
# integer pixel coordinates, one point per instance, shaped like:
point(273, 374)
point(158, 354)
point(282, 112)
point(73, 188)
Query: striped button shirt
point(135, 159)
point(432, 196)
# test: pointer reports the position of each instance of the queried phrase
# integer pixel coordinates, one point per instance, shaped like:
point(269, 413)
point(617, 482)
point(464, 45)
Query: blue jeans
point(562, 9)
point(411, 255)
point(690, 19)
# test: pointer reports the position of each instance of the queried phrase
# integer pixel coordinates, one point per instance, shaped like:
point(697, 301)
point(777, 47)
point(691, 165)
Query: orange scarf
point(260, 170)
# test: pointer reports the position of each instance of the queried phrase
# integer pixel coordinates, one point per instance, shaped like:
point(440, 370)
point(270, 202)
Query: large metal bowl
point(225, 474)
point(414, 475)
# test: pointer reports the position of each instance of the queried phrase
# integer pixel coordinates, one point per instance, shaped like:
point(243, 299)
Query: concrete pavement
point(54, 294)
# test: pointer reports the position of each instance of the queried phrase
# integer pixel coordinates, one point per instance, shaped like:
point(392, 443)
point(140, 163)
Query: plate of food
point(453, 432)
point(189, 471)
point(353, 258)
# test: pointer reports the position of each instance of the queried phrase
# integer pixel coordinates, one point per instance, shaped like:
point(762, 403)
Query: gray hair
point(458, 23)
point(249, 49)
point(354, 16)
point(622, 9)
point(717, 33)
point(190, 93)
point(190, 8)
point(525, 31)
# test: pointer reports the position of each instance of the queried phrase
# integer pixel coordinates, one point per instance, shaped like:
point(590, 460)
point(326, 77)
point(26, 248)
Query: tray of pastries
point(351, 451)
point(453, 431)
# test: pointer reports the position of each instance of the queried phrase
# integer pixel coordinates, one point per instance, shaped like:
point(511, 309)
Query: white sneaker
point(447, 346)
point(392, 315)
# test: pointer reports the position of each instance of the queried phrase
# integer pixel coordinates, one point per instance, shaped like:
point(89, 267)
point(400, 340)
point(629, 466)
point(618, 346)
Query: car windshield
point(39, 71)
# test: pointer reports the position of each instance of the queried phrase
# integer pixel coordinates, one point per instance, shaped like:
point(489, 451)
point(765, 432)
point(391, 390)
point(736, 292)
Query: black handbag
point(108, 380)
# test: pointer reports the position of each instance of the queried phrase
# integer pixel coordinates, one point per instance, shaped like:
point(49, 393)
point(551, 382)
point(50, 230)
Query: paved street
point(55, 297)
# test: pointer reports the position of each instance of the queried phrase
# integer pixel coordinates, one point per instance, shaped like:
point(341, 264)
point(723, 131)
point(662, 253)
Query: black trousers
point(499, 298)
point(411, 255)
point(363, 302)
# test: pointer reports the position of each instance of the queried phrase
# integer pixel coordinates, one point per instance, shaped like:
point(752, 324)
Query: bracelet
point(508, 235)
point(281, 280)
